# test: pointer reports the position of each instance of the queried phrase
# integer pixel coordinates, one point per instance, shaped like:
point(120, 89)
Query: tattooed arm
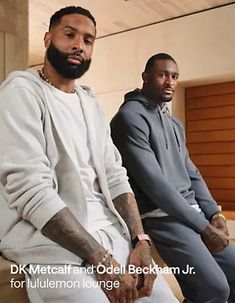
point(127, 207)
point(65, 230)
point(141, 255)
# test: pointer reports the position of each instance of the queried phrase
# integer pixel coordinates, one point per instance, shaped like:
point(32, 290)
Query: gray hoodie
point(152, 145)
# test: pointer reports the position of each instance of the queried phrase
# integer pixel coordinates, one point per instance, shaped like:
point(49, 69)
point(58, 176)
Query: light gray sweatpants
point(212, 279)
point(85, 290)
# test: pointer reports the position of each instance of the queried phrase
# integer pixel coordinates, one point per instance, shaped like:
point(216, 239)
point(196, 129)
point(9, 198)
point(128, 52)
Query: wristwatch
point(140, 237)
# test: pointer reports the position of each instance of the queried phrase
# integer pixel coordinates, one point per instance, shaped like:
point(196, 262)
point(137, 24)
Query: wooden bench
point(8, 294)
point(170, 278)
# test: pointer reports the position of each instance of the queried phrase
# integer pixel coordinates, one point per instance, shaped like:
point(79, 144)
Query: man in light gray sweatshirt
point(178, 211)
point(67, 210)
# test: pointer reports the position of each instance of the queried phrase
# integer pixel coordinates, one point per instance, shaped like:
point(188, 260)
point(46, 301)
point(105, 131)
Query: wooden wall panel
point(14, 17)
point(217, 171)
point(2, 57)
point(220, 183)
point(215, 159)
point(211, 101)
point(228, 207)
point(210, 90)
point(211, 124)
point(216, 112)
point(223, 195)
point(210, 130)
point(13, 36)
point(212, 136)
point(16, 53)
point(212, 147)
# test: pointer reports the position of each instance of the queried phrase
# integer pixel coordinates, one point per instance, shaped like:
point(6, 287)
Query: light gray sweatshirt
point(39, 174)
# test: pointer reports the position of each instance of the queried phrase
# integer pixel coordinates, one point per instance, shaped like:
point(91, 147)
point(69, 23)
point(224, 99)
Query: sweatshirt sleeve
point(130, 134)
point(25, 169)
point(202, 194)
point(115, 173)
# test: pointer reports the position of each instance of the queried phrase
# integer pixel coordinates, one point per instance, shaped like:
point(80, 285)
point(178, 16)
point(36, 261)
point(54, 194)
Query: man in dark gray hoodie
point(178, 211)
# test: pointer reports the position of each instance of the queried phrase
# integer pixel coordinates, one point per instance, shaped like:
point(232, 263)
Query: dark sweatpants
point(179, 246)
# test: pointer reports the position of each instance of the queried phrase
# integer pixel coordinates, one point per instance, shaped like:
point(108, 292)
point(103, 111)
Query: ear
point(145, 76)
point(47, 39)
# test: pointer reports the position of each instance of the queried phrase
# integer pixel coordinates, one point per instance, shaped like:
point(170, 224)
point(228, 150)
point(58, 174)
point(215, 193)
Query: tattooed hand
point(214, 239)
point(141, 257)
point(220, 223)
point(126, 291)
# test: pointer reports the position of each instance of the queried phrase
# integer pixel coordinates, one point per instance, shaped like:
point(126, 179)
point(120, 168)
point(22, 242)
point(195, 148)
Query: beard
point(58, 60)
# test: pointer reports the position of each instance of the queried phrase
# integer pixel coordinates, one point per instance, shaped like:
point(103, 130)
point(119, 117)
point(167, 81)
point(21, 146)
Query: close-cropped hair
point(57, 16)
point(159, 56)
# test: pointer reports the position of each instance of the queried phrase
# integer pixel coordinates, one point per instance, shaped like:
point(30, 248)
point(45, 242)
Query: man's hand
point(126, 292)
point(215, 239)
point(141, 257)
point(219, 222)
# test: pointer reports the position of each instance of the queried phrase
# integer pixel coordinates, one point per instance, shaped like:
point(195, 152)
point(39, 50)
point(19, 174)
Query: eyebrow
point(167, 71)
point(74, 29)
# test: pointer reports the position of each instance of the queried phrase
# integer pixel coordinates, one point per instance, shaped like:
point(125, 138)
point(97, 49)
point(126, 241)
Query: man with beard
point(67, 209)
point(178, 211)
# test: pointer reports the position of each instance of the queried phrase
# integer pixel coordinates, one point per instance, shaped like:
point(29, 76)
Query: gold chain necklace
point(42, 75)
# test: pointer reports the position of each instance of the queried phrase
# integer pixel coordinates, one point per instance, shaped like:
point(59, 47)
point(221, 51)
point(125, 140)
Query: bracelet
point(107, 256)
point(222, 216)
point(106, 259)
point(219, 215)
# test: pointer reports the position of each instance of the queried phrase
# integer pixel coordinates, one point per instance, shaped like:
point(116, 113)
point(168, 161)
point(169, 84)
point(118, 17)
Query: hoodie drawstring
point(176, 136)
point(163, 128)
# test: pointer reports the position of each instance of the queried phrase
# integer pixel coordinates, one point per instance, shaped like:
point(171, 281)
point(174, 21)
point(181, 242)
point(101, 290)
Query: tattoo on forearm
point(65, 230)
point(127, 207)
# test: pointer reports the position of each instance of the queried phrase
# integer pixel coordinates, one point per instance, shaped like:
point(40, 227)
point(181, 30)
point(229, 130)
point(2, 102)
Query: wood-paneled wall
point(210, 129)
point(13, 36)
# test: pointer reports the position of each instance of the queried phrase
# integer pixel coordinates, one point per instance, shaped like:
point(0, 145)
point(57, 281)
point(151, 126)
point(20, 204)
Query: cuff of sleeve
point(211, 210)
point(200, 224)
point(120, 189)
point(45, 212)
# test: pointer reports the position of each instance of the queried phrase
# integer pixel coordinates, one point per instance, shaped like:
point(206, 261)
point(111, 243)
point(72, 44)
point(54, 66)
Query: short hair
point(57, 16)
point(159, 56)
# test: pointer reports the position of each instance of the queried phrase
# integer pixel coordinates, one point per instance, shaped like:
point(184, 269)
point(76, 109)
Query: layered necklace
point(42, 75)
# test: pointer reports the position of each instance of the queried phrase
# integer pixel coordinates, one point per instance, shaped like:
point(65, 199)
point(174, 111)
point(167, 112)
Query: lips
point(74, 59)
point(168, 91)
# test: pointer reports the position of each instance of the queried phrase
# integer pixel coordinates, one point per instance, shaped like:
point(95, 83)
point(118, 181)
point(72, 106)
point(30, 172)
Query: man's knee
point(217, 292)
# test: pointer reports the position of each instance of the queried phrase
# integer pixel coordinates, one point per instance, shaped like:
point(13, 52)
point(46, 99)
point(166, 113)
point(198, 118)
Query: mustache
point(76, 56)
point(75, 53)
point(168, 86)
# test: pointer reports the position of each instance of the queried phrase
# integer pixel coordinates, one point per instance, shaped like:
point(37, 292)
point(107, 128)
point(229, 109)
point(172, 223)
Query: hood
point(29, 74)
point(32, 75)
point(136, 95)
point(163, 113)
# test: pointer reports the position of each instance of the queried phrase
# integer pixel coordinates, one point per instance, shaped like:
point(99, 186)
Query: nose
point(78, 45)
point(170, 81)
